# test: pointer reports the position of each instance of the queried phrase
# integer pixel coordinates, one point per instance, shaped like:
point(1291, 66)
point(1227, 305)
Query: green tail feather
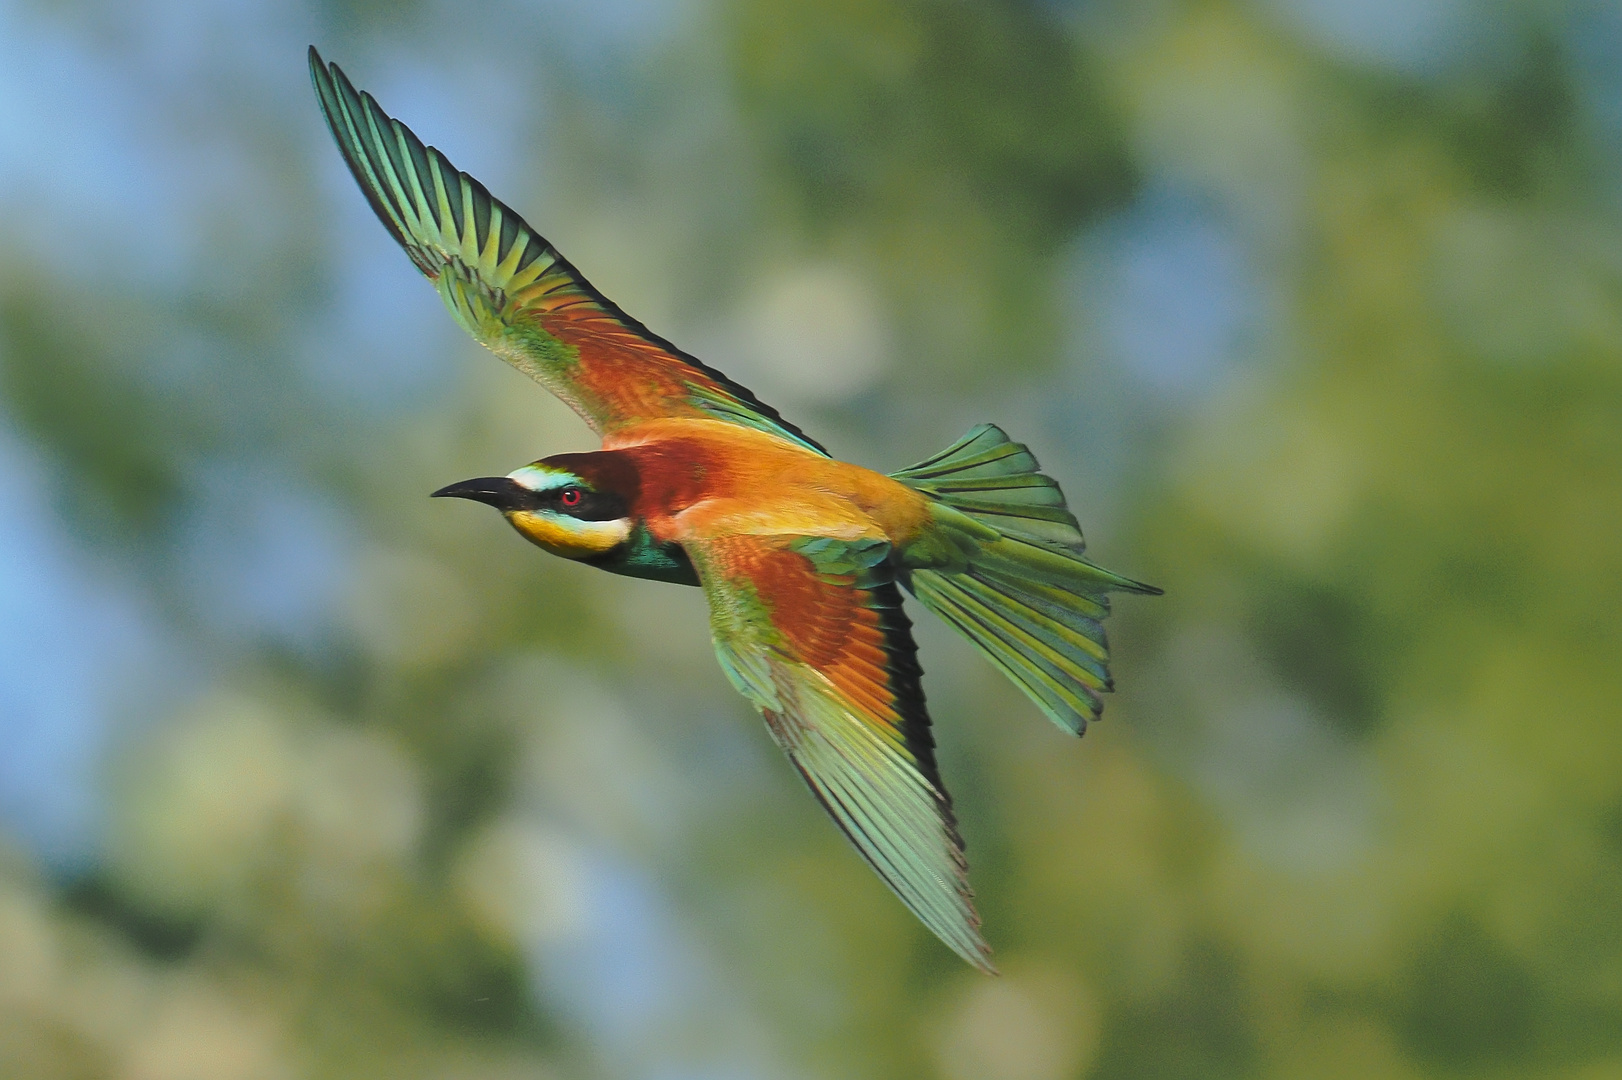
point(1028, 600)
point(991, 478)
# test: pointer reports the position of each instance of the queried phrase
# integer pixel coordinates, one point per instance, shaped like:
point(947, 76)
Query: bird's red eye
point(569, 497)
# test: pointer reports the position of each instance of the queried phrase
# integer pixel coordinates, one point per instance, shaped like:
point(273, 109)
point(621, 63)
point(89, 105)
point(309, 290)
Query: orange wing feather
point(811, 630)
point(514, 293)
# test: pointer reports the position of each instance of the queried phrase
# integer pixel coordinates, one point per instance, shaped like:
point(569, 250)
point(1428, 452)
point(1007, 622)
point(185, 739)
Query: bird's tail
point(1026, 597)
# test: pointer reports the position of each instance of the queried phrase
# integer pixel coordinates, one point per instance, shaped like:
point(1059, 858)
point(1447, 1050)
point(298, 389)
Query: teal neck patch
point(642, 557)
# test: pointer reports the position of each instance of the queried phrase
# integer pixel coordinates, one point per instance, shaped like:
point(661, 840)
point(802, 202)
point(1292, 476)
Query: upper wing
point(513, 292)
point(811, 630)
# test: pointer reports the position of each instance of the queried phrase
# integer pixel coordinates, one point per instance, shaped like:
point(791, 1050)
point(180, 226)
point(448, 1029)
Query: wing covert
point(509, 288)
point(811, 630)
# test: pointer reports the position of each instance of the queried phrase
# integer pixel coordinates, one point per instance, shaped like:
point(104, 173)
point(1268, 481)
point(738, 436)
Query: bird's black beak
point(502, 492)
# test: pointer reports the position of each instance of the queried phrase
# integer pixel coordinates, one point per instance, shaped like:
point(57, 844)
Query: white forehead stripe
point(541, 478)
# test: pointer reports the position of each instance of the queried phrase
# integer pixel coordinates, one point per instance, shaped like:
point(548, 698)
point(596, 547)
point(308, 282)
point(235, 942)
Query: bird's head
point(558, 507)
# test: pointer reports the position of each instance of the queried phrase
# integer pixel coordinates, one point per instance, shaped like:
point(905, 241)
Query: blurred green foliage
point(1357, 811)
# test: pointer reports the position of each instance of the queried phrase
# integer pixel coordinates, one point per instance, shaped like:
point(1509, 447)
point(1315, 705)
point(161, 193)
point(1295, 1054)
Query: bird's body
point(701, 477)
point(802, 557)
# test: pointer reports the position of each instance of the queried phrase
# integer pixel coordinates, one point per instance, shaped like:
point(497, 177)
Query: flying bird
point(802, 557)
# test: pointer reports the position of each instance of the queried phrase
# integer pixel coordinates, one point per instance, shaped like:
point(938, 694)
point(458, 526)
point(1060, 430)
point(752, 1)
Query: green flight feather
point(876, 777)
point(502, 281)
point(444, 219)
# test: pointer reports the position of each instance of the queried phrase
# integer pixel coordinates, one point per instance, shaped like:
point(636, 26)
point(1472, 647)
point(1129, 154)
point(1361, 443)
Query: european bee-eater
point(799, 555)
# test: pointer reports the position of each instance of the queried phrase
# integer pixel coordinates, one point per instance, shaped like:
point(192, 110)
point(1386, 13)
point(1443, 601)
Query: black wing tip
point(341, 105)
point(324, 71)
point(331, 87)
point(324, 75)
point(330, 82)
point(981, 957)
point(320, 78)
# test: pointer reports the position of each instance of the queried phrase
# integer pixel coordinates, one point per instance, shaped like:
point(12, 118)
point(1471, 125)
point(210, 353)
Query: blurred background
point(1314, 306)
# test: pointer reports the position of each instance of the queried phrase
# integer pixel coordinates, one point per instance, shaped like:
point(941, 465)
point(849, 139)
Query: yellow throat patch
point(570, 537)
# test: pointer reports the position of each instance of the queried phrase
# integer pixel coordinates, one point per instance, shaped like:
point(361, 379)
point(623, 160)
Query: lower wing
point(810, 629)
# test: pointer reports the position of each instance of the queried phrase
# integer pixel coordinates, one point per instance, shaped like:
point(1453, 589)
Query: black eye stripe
point(593, 505)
